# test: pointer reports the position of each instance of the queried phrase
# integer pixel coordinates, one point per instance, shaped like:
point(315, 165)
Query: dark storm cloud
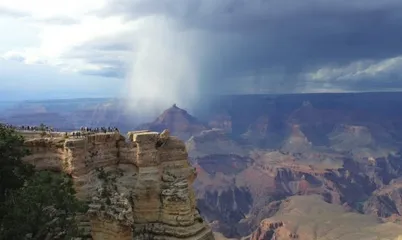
point(255, 38)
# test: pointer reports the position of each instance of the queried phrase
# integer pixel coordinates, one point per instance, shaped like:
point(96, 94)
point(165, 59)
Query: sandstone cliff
point(136, 189)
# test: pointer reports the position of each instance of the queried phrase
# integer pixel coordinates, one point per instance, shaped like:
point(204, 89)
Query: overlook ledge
point(139, 187)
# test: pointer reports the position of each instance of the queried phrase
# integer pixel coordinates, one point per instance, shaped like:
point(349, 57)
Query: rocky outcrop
point(269, 229)
point(297, 142)
point(178, 121)
point(386, 202)
point(136, 189)
point(214, 142)
point(222, 121)
point(309, 217)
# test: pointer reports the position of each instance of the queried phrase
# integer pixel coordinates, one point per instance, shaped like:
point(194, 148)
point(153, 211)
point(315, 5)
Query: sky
point(179, 50)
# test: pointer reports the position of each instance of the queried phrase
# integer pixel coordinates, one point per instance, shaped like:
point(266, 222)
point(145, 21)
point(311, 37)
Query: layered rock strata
point(136, 189)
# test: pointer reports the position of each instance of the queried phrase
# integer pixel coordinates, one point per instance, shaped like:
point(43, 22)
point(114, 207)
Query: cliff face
point(137, 189)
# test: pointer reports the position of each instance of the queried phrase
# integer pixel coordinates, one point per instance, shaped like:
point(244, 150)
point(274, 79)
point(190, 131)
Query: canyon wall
point(139, 188)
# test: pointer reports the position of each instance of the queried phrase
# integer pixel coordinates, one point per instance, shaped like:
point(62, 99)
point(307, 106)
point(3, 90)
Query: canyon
point(312, 166)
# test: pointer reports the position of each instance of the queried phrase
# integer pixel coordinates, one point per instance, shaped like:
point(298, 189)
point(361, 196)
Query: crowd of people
point(43, 128)
point(30, 128)
point(99, 129)
point(88, 130)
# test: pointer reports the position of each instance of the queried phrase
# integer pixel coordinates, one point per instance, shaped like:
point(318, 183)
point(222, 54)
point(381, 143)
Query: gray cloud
point(113, 43)
point(5, 12)
point(364, 75)
point(108, 54)
point(249, 45)
point(15, 57)
point(110, 72)
point(60, 20)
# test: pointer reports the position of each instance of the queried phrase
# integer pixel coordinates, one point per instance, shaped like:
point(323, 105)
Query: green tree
point(40, 204)
point(13, 172)
point(45, 206)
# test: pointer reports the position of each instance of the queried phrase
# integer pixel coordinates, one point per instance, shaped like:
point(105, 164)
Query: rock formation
point(214, 142)
point(386, 202)
point(309, 217)
point(178, 121)
point(136, 189)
